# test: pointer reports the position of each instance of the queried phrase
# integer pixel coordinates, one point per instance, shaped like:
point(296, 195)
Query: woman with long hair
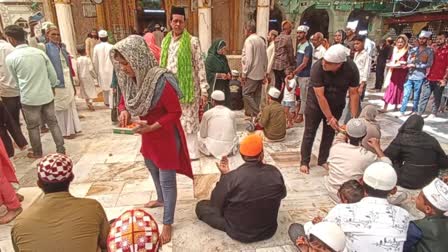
point(152, 93)
point(396, 73)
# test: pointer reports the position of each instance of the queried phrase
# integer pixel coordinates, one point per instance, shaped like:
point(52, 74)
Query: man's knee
point(200, 208)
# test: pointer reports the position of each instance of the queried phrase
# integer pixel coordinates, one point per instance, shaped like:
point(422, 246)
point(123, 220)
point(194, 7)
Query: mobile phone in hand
point(38, 16)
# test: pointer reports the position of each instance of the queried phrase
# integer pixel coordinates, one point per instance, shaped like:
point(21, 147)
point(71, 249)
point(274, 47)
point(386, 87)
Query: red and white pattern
point(55, 168)
point(134, 231)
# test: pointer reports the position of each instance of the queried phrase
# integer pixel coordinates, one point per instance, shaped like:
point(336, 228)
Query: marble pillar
point(65, 24)
point(205, 24)
point(263, 18)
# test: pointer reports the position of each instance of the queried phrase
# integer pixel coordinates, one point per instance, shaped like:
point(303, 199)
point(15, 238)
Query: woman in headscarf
point(396, 73)
point(416, 155)
point(339, 38)
point(150, 40)
point(152, 93)
point(368, 114)
point(216, 66)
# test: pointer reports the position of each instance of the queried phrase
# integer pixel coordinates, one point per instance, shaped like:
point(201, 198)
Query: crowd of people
point(166, 83)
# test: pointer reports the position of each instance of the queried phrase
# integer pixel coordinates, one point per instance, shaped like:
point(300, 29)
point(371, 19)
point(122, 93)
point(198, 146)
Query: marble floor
point(110, 169)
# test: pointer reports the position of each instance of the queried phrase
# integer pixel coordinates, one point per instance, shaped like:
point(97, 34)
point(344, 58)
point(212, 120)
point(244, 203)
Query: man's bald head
point(317, 39)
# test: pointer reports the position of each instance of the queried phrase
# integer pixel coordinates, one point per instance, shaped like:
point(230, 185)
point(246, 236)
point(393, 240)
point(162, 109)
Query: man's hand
point(302, 243)
point(443, 83)
point(243, 80)
point(124, 118)
point(333, 122)
point(317, 220)
point(361, 88)
point(374, 143)
point(223, 165)
point(32, 25)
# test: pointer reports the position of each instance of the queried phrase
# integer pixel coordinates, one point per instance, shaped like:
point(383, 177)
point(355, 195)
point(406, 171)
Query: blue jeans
point(166, 187)
point(427, 89)
point(410, 85)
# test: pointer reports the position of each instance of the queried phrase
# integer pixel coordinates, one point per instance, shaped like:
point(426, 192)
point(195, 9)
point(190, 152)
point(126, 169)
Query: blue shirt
point(34, 74)
point(421, 64)
point(305, 50)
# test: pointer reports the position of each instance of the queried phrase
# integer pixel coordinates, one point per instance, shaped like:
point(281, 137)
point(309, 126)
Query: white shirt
point(254, 60)
point(347, 162)
point(318, 53)
point(103, 64)
point(218, 127)
point(371, 225)
point(270, 52)
point(362, 61)
point(290, 96)
point(8, 85)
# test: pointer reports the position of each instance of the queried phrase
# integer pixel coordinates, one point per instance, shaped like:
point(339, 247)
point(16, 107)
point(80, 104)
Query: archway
point(150, 12)
point(318, 20)
point(364, 19)
point(275, 19)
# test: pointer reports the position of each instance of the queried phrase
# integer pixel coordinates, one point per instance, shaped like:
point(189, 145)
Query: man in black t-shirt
point(331, 77)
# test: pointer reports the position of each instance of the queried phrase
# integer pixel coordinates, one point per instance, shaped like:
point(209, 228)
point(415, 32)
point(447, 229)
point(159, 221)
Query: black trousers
point(210, 215)
point(313, 117)
point(13, 106)
point(280, 76)
point(379, 76)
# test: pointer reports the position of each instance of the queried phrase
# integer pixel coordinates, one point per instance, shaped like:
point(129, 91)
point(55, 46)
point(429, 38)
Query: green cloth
point(434, 234)
point(184, 66)
point(215, 62)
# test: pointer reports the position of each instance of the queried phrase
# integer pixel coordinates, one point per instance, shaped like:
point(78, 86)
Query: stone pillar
point(49, 11)
point(205, 24)
point(65, 24)
point(263, 18)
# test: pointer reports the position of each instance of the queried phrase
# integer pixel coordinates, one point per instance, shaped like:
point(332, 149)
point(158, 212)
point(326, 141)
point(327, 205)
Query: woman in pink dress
point(396, 74)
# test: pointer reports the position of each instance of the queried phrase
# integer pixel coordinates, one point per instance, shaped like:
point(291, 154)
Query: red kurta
point(160, 145)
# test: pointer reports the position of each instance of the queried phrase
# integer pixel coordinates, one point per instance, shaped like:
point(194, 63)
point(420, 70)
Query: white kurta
point(103, 65)
point(217, 135)
point(190, 111)
point(86, 75)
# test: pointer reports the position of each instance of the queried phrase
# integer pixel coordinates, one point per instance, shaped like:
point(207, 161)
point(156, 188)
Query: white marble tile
point(85, 164)
point(108, 200)
point(31, 195)
point(136, 199)
point(138, 185)
point(80, 190)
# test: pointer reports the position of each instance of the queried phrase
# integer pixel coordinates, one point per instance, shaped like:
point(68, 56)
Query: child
point(289, 99)
point(236, 92)
point(86, 75)
point(351, 192)
point(431, 232)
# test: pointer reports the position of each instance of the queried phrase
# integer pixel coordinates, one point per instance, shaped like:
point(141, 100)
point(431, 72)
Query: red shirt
point(160, 145)
point(440, 64)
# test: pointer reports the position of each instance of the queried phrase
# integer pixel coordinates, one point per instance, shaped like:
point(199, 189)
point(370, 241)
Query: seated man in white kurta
point(217, 133)
point(64, 99)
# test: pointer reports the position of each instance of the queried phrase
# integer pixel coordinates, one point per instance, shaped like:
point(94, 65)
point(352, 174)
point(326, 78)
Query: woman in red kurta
point(152, 94)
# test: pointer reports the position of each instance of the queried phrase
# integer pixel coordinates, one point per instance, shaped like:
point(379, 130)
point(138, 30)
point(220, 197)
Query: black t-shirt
point(335, 84)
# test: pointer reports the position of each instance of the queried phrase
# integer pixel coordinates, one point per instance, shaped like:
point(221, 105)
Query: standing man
point(158, 34)
point(181, 54)
point(91, 41)
point(64, 92)
point(384, 53)
point(420, 59)
point(254, 63)
point(103, 66)
point(437, 77)
point(35, 75)
point(331, 77)
point(319, 49)
point(350, 31)
point(284, 54)
point(9, 91)
point(303, 70)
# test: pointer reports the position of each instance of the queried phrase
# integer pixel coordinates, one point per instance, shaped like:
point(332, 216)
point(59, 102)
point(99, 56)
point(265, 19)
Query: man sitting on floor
point(273, 117)
point(217, 132)
point(245, 202)
point(59, 221)
point(429, 233)
point(348, 159)
point(372, 224)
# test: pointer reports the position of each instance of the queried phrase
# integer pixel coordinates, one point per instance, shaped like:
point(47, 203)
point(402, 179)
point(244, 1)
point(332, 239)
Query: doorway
point(318, 20)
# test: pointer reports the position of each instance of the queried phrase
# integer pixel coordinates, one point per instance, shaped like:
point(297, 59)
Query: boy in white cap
point(103, 66)
point(348, 158)
point(236, 92)
point(373, 224)
point(273, 118)
point(420, 59)
point(322, 237)
point(303, 69)
point(330, 79)
point(430, 233)
point(217, 133)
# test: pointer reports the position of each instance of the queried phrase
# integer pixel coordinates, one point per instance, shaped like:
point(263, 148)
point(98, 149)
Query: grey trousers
point(34, 116)
point(252, 96)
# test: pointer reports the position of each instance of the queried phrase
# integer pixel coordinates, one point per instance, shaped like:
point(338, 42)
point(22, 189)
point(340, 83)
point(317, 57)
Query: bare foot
point(10, 215)
point(153, 204)
point(299, 119)
point(325, 166)
point(32, 156)
point(305, 169)
point(165, 237)
point(20, 197)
